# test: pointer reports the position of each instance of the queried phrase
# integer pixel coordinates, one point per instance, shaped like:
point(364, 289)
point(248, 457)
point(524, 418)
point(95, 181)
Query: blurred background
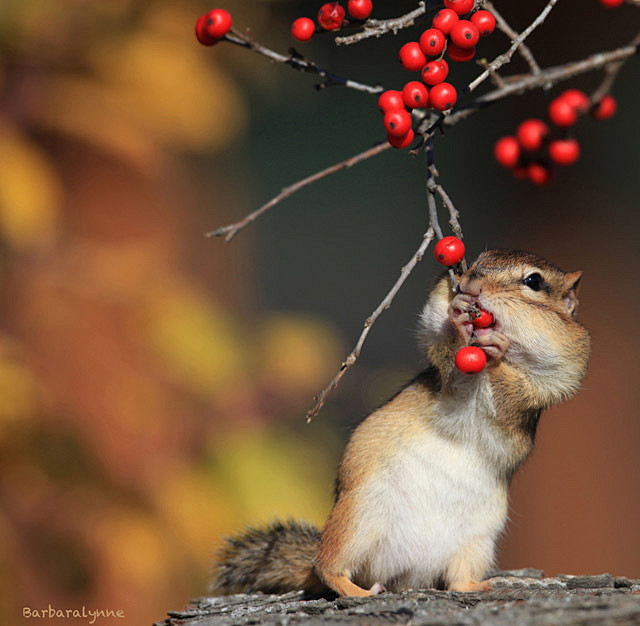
point(153, 383)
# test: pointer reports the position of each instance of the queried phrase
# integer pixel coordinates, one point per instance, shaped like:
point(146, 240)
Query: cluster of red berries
point(213, 26)
point(534, 150)
point(450, 32)
point(330, 17)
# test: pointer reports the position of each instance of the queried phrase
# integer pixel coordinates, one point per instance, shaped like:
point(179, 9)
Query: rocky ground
point(522, 597)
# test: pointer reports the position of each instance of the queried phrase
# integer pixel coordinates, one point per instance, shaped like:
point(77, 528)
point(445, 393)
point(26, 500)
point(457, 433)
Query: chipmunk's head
point(522, 279)
point(533, 303)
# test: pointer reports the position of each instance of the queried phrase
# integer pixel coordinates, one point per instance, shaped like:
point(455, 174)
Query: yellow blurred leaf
point(196, 341)
point(297, 352)
point(30, 192)
point(196, 511)
point(134, 548)
point(274, 474)
point(159, 77)
point(18, 392)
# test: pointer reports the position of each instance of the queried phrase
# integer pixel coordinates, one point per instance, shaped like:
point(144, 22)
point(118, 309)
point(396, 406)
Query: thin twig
point(523, 49)
point(453, 212)
point(232, 229)
point(427, 238)
point(501, 60)
point(375, 28)
point(297, 62)
point(611, 73)
point(527, 82)
point(432, 174)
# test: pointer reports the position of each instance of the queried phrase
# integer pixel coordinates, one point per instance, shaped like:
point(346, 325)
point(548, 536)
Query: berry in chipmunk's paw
point(449, 251)
point(470, 360)
point(482, 319)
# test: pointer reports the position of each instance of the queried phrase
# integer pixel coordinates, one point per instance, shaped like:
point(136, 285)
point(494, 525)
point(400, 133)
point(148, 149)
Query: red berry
point(449, 251)
point(218, 23)
point(331, 16)
point(576, 98)
point(201, 33)
point(461, 55)
point(531, 133)
point(445, 20)
point(403, 141)
point(443, 96)
point(432, 42)
point(484, 319)
point(435, 72)
point(390, 100)
point(303, 28)
point(415, 95)
point(465, 34)
point(507, 151)
point(539, 174)
point(412, 57)
point(360, 9)
point(484, 21)
point(459, 6)
point(470, 360)
point(611, 4)
point(605, 108)
point(397, 122)
point(561, 113)
point(564, 151)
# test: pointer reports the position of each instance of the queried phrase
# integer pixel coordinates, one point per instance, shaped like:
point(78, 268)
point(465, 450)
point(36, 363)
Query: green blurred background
point(153, 382)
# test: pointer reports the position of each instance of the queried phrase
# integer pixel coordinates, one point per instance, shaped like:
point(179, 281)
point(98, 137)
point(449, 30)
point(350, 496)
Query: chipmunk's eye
point(534, 281)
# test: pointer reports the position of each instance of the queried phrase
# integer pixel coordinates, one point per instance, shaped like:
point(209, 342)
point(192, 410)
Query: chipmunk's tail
point(274, 559)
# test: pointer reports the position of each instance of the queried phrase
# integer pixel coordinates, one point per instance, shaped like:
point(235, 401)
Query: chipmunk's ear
point(570, 292)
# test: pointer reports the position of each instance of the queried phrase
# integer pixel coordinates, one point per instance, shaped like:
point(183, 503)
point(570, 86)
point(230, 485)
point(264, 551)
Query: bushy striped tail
point(276, 558)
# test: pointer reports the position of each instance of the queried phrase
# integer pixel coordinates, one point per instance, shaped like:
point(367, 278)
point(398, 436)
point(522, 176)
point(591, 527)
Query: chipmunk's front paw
point(460, 316)
point(493, 342)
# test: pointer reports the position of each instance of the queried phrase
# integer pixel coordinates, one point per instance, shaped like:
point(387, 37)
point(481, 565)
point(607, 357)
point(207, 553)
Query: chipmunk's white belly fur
point(433, 500)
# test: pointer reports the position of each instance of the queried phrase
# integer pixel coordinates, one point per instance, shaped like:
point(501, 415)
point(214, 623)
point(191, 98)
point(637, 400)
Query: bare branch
point(375, 28)
point(298, 62)
point(528, 82)
point(501, 60)
point(427, 238)
point(523, 49)
point(232, 229)
point(611, 73)
point(453, 212)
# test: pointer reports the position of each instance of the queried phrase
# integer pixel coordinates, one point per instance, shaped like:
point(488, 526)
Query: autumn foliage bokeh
point(153, 383)
point(137, 393)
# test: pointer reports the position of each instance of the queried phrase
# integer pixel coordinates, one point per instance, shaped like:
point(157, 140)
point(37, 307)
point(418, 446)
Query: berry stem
point(230, 231)
point(523, 49)
point(298, 62)
point(427, 238)
point(501, 60)
point(375, 28)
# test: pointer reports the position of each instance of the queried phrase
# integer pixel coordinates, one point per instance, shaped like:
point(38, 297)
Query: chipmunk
point(422, 488)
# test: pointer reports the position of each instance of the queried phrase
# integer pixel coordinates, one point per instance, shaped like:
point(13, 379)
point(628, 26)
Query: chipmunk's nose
point(470, 286)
